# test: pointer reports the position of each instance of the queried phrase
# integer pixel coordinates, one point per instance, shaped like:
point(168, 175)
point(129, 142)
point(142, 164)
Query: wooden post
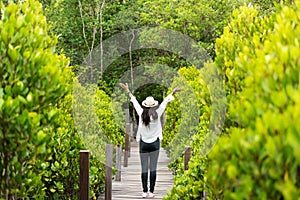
point(130, 137)
point(118, 162)
point(84, 175)
point(126, 150)
point(128, 130)
point(204, 195)
point(127, 141)
point(187, 157)
point(108, 171)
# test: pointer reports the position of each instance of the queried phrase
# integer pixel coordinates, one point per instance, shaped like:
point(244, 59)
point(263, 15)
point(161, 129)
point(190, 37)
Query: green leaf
point(232, 171)
point(22, 99)
point(52, 190)
point(1, 103)
point(271, 147)
point(29, 97)
point(12, 53)
point(1, 92)
point(41, 136)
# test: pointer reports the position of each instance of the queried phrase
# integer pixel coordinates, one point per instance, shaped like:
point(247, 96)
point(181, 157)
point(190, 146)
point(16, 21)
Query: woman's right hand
point(177, 89)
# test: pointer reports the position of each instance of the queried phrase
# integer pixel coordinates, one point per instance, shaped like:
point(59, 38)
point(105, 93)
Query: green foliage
point(201, 20)
point(255, 161)
point(65, 21)
point(183, 114)
point(260, 158)
point(116, 17)
point(107, 122)
point(267, 7)
point(235, 39)
point(93, 115)
point(257, 157)
point(96, 125)
point(86, 120)
point(198, 108)
point(121, 16)
point(189, 185)
point(39, 142)
point(61, 169)
point(33, 79)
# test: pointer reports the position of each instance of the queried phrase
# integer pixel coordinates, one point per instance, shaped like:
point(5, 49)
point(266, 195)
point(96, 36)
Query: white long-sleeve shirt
point(153, 131)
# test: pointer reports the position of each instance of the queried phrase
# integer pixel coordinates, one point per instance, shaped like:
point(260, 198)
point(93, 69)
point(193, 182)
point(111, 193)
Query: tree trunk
point(131, 72)
point(101, 38)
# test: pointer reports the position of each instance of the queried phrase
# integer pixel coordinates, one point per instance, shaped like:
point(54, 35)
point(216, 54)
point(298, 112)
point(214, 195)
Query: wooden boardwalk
point(130, 186)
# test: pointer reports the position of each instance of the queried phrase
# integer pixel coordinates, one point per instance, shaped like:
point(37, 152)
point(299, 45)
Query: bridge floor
point(130, 186)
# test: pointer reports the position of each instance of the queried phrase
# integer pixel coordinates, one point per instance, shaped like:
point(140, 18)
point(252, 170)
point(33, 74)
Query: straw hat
point(149, 102)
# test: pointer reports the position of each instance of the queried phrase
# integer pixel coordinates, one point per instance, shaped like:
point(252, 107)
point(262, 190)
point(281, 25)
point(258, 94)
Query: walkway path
point(130, 186)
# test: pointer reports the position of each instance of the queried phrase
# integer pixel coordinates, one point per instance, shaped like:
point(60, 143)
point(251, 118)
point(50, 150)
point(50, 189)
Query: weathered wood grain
point(130, 186)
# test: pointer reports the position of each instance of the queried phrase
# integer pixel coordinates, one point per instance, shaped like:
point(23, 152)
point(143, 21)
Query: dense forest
point(237, 61)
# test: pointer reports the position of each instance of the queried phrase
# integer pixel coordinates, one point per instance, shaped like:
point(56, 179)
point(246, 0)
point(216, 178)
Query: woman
point(149, 135)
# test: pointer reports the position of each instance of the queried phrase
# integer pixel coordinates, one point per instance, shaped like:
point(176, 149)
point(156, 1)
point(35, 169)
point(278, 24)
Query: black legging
point(149, 150)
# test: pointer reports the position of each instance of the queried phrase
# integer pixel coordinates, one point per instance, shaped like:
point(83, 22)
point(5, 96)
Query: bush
point(260, 159)
point(39, 141)
point(251, 160)
point(106, 120)
point(183, 114)
point(193, 110)
point(33, 80)
point(61, 168)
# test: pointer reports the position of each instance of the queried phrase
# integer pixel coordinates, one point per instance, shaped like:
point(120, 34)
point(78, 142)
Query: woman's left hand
point(124, 86)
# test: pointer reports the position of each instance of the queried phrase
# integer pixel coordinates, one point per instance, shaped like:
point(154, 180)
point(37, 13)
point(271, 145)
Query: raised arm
point(136, 104)
point(169, 98)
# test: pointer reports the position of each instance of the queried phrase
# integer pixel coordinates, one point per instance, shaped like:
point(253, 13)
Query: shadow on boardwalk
point(130, 186)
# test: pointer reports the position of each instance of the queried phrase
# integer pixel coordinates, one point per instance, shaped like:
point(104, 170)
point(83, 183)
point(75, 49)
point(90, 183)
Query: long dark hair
point(147, 113)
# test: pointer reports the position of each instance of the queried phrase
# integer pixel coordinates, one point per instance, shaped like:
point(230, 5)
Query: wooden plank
point(130, 187)
point(84, 175)
point(108, 171)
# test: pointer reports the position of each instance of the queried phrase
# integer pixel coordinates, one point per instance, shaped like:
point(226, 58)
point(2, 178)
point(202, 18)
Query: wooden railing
point(84, 165)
